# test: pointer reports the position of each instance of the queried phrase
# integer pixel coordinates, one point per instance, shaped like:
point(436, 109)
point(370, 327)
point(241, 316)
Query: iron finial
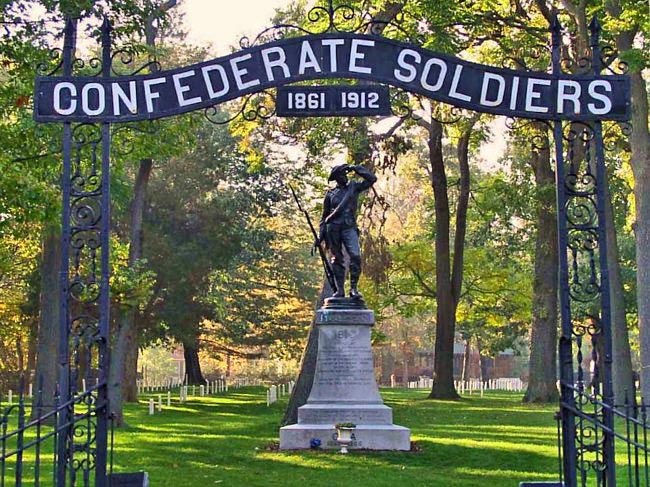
point(595, 29)
point(556, 28)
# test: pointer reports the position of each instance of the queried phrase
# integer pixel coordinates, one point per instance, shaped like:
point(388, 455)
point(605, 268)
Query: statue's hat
point(335, 170)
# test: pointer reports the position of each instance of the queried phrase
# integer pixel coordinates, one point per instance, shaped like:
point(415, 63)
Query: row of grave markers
point(210, 387)
point(275, 392)
point(184, 391)
point(29, 392)
point(514, 384)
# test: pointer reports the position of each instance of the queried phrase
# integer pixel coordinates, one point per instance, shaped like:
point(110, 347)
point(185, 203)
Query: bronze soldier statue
point(338, 225)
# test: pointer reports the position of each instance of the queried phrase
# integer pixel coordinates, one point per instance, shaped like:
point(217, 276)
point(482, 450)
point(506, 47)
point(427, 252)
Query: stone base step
point(333, 413)
point(365, 437)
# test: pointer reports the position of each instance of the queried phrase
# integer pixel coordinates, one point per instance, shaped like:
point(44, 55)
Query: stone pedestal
point(344, 388)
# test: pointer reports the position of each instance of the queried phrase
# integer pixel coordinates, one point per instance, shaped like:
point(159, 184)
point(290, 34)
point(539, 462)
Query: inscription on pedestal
point(344, 369)
point(352, 366)
point(344, 389)
point(351, 317)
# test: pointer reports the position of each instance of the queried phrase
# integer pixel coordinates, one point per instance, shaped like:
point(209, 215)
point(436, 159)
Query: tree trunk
point(542, 364)
point(48, 328)
point(483, 363)
point(387, 365)
point(448, 279)
point(443, 360)
point(640, 162)
point(622, 375)
point(640, 143)
point(305, 380)
point(130, 385)
point(466, 356)
point(405, 367)
point(116, 372)
point(31, 345)
point(192, 364)
point(126, 340)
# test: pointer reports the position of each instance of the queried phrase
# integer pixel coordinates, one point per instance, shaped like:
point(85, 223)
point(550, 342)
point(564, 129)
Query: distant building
point(419, 363)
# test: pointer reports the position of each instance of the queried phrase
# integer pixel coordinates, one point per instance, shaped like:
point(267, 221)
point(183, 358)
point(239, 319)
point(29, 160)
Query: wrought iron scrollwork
point(53, 63)
point(256, 106)
point(125, 58)
point(610, 60)
point(342, 18)
point(401, 104)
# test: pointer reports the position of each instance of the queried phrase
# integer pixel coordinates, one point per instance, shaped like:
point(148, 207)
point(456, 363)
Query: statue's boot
point(339, 278)
point(354, 291)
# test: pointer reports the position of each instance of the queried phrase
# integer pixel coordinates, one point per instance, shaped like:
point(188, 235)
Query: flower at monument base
point(315, 443)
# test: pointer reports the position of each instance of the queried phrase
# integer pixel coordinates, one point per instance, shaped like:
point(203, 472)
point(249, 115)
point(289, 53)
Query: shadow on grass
point(494, 440)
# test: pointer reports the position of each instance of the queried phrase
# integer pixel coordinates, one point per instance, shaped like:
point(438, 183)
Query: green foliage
point(157, 363)
point(131, 286)
point(265, 302)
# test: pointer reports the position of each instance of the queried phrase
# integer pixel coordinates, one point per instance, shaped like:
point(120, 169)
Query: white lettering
point(208, 80)
point(333, 43)
point(149, 95)
point(239, 73)
point(573, 96)
point(355, 55)
point(501, 88)
point(119, 95)
point(57, 98)
point(607, 103)
point(311, 63)
point(85, 97)
point(453, 93)
point(514, 92)
point(441, 76)
point(280, 62)
point(180, 89)
point(532, 94)
point(401, 61)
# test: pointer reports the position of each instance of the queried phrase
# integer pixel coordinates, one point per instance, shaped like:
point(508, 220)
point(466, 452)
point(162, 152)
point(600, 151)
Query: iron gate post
point(64, 427)
point(84, 316)
point(605, 304)
point(103, 410)
point(565, 352)
point(578, 424)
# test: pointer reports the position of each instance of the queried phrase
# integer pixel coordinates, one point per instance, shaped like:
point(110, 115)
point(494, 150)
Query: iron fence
point(47, 441)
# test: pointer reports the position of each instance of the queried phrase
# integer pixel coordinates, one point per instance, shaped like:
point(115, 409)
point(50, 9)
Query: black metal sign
point(332, 101)
point(448, 79)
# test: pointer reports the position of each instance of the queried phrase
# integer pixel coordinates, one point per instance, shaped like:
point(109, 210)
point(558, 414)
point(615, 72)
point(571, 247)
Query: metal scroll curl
point(401, 104)
point(448, 114)
point(589, 326)
point(257, 106)
point(616, 136)
point(342, 18)
point(123, 63)
point(53, 63)
point(582, 216)
point(584, 285)
point(611, 62)
point(520, 60)
point(581, 65)
point(86, 133)
point(124, 136)
point(532, 131)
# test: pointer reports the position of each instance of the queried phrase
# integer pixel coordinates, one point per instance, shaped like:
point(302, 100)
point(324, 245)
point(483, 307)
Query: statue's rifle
point(329, 272)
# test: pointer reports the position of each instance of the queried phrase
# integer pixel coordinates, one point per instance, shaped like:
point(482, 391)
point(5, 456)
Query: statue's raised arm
point(338, 226)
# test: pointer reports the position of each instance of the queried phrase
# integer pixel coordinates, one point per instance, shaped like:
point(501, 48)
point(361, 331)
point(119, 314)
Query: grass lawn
point(223, 440)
